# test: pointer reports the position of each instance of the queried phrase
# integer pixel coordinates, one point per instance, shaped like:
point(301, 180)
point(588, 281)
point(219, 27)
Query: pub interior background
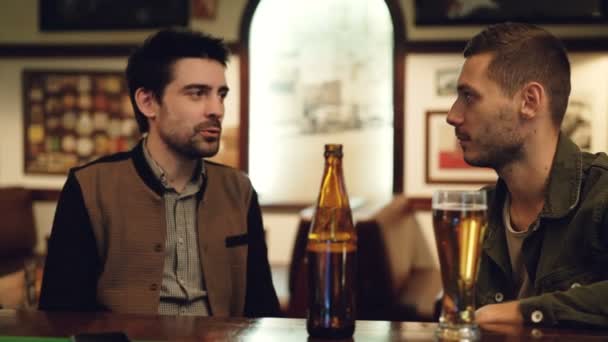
point(394, 157)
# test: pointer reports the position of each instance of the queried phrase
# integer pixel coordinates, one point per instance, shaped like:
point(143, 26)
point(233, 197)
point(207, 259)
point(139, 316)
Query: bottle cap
point(333, 149)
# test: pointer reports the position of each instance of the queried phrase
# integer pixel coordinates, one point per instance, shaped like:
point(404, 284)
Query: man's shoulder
point(595, 177)
point(595, 168)
point(596, 160)
point(107, 160)
point(225, 170)
point(227, 180)
point(108, 168)
point(227, 175)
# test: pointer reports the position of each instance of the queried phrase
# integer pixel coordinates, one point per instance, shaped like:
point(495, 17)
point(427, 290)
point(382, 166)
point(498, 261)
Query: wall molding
point(457, 46)
point(45, 195)
point(64, 50)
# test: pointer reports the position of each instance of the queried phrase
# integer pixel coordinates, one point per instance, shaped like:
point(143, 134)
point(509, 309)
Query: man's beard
point(497, 151)
point(499, 148)
point(197, 146)
point(497, 157)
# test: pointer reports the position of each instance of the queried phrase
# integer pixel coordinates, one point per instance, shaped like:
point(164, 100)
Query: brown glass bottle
point(331, 256)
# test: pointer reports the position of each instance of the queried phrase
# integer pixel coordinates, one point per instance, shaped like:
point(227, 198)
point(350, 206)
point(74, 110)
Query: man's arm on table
point(584, 305)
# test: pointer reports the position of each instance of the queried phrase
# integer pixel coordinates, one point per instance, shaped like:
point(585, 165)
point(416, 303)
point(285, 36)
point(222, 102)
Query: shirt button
point(575, 285)
point(537, 316)
point(499, 297)
point(180, 241)
point(158, 248)
point(153, 287)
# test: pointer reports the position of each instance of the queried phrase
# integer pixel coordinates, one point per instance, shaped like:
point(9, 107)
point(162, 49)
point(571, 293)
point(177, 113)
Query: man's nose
point(215, 107)
point(455, 117)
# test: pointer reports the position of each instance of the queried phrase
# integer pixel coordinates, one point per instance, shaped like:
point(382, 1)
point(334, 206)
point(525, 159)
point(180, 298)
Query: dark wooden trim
point(244, 110)
point(33, 50)
point(586, 45)
point(427, 148)
point(65, 50)
point(284, 208)
point(419, 204)
point(398, 94)
point(45, 195)
point(457, 46)
point(443, 46)
point(25, 118)
point(234, 47)
point(244, 30)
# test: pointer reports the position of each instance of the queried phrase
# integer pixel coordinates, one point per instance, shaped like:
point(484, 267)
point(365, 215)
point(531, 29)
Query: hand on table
point(499, 313)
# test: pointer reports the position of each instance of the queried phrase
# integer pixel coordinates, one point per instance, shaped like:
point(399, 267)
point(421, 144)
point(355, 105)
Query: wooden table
point(164, 328)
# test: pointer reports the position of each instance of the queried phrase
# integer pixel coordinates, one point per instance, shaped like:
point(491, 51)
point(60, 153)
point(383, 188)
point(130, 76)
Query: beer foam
point(460, 206)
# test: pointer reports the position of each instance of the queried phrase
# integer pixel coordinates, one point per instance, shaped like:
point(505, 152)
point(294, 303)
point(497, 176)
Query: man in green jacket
point(546, 249)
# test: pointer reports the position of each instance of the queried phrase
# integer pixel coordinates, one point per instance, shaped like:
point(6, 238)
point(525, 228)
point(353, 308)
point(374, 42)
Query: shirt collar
point(564, 183)
point(159, 173)
point(565, 179)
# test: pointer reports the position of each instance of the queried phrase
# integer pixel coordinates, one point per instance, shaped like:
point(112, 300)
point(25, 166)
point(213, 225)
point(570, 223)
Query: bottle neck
point(333, 190)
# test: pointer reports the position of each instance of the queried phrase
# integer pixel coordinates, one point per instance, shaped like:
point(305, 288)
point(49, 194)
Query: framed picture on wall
point(480, 12)
point(446, 81)
point(310, 87)
point(204, 9)
point(74, 116)
point(444, 160)
point(108, 15)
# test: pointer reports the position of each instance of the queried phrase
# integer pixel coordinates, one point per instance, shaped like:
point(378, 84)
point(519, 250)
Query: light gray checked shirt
point(182, 290)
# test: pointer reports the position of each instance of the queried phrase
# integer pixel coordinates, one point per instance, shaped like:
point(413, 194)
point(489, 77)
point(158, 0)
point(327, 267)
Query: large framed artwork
point(107, 15)
point(74, 116)
point(444, 160)
point(479, 12)
point(310, 86)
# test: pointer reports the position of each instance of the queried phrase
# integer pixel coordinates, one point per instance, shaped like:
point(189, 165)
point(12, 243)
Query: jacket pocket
point(566, 278)
point(237, 240)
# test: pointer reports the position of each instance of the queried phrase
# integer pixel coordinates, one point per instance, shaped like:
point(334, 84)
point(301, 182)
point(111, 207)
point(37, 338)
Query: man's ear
point(146, 102)
point(533, 99)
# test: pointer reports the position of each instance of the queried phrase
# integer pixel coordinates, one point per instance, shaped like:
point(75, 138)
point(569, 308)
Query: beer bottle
point(330, 252)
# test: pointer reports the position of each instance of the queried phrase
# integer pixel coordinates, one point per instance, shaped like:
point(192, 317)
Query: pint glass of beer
point(459, 221)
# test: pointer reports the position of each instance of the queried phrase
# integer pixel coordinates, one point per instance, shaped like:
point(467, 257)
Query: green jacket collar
point(563, 186)
point(565, 180)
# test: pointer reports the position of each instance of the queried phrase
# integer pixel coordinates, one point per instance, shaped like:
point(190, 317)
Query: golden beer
point(331, 272)
point(459, 230)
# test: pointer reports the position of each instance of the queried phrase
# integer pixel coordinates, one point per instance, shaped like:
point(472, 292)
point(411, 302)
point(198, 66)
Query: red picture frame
point(444, 162)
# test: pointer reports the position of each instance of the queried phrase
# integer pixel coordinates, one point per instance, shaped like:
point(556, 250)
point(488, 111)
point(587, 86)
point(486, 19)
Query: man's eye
point(196, 93)
point(468, 97)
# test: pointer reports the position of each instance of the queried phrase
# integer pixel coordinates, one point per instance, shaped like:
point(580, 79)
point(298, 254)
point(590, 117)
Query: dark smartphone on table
point(115, 336)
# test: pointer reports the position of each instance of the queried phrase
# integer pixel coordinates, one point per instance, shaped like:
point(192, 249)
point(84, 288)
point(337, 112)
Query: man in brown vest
point(159, 229)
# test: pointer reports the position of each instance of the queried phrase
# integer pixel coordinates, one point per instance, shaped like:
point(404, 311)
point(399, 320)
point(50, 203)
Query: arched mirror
point(320, 71)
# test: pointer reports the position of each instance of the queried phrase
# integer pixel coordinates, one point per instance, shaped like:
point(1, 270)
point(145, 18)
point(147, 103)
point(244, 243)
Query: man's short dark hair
point(525, 53)
point(151, 65)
